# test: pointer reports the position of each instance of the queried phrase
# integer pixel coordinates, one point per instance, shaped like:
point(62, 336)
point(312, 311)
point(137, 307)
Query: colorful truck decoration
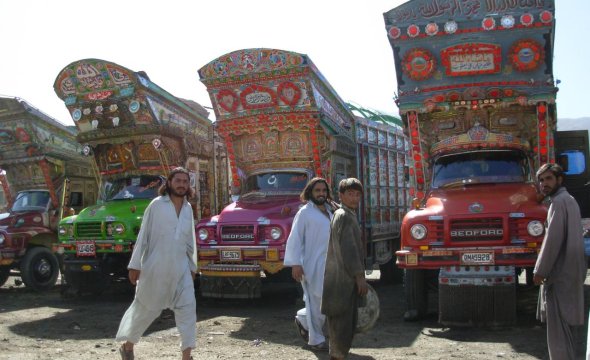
point(135, 133)
point(477, 96)
point(283, 124)
point(43, 175)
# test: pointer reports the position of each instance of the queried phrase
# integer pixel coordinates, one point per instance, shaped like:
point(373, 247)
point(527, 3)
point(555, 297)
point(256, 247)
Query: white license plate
point(231, 255)
point(85, 248)
point(477, 258)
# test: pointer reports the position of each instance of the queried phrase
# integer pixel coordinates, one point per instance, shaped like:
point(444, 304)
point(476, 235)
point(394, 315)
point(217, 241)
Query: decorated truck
point(477, 96)
point(43, 176)
point(134, 132)
point(283, 124)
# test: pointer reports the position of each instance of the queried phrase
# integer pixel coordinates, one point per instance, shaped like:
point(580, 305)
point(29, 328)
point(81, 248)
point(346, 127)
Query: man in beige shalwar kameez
point(561, 266)
point(344, 277)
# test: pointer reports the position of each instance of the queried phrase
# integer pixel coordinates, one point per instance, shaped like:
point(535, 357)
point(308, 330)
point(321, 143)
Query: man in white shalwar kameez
point(163, 265)
point(307, 246)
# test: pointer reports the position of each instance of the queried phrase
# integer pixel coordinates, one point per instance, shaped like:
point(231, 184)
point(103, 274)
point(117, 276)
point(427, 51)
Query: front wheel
point(39, 269)
point(416, 292)
point(4, 274)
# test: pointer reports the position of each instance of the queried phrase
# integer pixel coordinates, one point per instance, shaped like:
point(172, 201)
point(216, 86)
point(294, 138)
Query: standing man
point(344, 278)
point(306, 254)
point(163, 265)
point(560, 267)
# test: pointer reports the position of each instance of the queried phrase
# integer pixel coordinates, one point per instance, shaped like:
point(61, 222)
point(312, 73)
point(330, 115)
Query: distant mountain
point(573, 124)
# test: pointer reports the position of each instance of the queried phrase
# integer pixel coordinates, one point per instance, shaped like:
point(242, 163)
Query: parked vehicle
point(43, 176)
point(477, 96)
point(135, 133)
point(283, 124)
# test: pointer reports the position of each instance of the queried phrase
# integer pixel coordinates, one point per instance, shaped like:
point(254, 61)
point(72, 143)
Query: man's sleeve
point(556, 233)
point(192, 246)
point(296, 241)
point(142, 242)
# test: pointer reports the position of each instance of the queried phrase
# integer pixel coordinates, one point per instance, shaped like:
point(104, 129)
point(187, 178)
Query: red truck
point(477, 96)
point(44, 176)
point(283, 124)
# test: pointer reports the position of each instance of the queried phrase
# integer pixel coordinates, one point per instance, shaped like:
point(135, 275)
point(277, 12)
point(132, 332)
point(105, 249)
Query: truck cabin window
point(31, 200)
point(573, 162)
point(276, 182)
point(136, 187)
point(480, 167)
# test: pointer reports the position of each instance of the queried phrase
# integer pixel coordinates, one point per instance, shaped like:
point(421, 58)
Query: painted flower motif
point(451, 27)
point(394, 32)
point(413, 31)
point(431, 29)
point(526, 19)
point(507, 21)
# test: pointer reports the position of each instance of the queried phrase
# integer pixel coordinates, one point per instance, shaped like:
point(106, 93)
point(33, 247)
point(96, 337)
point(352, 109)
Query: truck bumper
point(436, 258)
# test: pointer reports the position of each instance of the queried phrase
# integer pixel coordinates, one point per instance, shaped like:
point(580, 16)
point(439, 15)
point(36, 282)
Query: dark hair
point(306, 193)
point(349, 184)
point(165, 188)
point(554, 168)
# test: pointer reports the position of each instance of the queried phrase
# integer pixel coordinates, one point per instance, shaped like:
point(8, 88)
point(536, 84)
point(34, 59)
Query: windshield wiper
point(461, 182)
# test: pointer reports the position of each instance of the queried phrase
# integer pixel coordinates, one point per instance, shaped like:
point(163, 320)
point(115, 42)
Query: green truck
point(135, 133)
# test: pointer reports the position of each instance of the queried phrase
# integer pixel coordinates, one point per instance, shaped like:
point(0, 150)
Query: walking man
point(561, 266)
point(163, 266)
point(344, 278)
point(306, 254)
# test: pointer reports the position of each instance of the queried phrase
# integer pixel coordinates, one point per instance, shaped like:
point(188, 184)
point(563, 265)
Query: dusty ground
point(45, 326)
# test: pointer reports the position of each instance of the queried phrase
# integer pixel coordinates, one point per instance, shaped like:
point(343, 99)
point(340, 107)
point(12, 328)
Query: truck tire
point(416, 293)
point(390, 273)
point(4, 274)
point(39, 269)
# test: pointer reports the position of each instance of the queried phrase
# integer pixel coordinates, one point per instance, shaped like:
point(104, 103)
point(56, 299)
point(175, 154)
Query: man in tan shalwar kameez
point(344, 277)
point(561, 266)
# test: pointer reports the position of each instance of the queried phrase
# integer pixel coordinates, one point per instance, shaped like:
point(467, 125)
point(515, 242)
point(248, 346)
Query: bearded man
point(307, 246)
point(561, 266)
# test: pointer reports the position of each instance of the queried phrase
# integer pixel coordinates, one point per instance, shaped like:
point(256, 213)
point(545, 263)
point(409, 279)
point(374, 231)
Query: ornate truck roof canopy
point(447, 52)
point(27, 135)
point(251, 82)
point(130, 124)
point(106, 99)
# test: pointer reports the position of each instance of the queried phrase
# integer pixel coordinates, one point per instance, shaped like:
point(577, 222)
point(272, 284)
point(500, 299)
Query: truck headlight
point(275, 233)
point(535, 228)
point(62, 230)
point(119, 229)
point(2, 238)
point(203, 234)
point(418, 231)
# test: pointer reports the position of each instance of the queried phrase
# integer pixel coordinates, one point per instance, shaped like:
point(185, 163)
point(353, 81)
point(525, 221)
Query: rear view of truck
point(477, 96)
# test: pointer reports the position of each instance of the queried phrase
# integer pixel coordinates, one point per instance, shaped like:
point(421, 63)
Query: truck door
point(571, 152)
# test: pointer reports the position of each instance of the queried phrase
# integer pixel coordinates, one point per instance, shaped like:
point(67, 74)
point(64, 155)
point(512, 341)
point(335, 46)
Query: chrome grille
point(237, 233)
point(472, 230)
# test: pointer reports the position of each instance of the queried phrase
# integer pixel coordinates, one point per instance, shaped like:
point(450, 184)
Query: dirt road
point(45, 326)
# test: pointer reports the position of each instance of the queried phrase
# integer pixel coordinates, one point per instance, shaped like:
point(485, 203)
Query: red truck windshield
point(31, 200)
point(480, 167)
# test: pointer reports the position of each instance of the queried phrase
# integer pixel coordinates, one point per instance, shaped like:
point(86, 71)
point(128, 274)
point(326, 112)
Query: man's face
point(548, 183)
point(351, 198)
point(319, 193)
point(179, 184)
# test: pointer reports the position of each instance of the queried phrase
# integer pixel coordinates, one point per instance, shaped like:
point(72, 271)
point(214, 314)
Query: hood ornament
point(475, 207)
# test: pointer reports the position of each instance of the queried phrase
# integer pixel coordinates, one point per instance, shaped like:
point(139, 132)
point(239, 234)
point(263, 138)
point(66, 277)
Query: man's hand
point(361, 285)
point(297, 272)
point(193, 275)
point(133, 276)
point(538, 280)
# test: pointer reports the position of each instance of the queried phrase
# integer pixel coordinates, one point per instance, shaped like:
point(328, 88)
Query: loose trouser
point(138, 318)
point(560, 335)
point(314, 319)
point(342, 328)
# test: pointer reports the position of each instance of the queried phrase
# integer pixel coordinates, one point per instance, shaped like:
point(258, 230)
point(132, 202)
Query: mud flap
point(223, 287)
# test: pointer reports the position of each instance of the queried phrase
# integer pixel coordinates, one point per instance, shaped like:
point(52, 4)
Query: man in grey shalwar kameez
point(165, 256)
point(344, 277)
point(561, 266)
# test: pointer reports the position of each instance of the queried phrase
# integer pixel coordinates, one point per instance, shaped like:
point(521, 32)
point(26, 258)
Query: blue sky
point(171, 40)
